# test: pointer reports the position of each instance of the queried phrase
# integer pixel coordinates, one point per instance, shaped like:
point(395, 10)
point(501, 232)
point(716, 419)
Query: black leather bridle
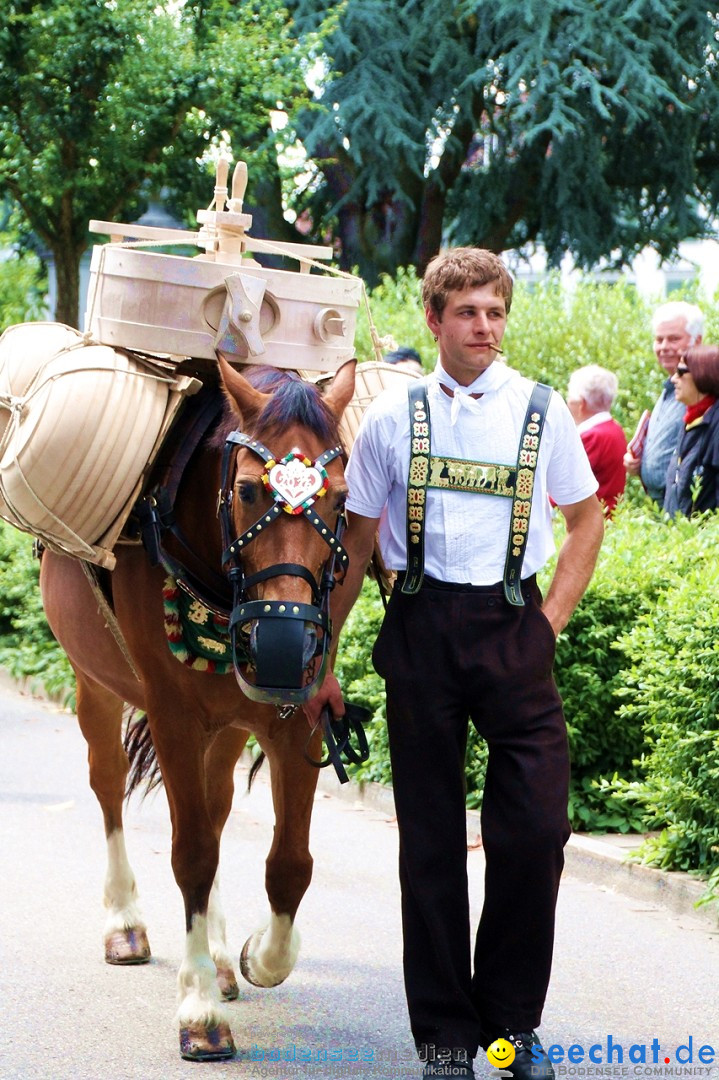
point(281, 623)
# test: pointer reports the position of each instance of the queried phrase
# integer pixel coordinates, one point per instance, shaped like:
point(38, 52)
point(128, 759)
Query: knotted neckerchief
point(467, 397)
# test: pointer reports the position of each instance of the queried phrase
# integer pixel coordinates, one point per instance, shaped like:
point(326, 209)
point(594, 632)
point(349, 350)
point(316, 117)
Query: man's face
point(670, 341)
point(472, 319)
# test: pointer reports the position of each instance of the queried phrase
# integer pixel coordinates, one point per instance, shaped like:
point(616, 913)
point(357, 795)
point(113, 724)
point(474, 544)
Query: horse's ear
point(341, 390)
point(243, 398)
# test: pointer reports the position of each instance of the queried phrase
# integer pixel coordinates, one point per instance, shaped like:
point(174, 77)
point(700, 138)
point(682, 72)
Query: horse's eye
point(246, 491)
point(340, 501)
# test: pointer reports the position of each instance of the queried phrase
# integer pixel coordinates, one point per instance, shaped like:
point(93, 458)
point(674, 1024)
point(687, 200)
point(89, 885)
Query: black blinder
point(278, 652)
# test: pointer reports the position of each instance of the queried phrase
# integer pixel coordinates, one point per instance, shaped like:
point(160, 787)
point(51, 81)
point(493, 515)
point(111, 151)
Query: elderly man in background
point(590, 395)
point(677, 326)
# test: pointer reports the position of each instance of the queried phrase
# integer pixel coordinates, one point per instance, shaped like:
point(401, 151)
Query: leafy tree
point(586, 125)
point(100, 101)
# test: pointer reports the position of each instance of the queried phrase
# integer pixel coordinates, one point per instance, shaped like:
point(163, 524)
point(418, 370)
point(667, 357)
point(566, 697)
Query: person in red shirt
point(590, 395)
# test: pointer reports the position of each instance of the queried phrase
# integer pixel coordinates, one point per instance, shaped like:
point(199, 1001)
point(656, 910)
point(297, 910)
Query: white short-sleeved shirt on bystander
point(466, 533)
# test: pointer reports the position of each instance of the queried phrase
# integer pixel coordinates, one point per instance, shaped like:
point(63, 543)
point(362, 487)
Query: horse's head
point(282, 505)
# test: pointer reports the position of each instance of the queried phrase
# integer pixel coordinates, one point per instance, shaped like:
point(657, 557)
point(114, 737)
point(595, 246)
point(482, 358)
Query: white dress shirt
point(466, 533)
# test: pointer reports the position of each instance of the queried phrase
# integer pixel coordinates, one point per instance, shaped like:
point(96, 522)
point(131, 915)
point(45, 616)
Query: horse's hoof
point(227, 983)
point(127, 947)
point(202, 1042)
point(246, 969)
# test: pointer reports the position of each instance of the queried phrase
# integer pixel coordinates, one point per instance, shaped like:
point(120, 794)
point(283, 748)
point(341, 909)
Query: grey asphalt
point(635, 974)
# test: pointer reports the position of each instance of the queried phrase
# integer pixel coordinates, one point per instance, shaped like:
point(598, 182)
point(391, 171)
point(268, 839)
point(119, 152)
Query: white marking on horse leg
point(216, 930)
point(123, 912)
point(216, 927)
point(198, 996)
point(270, 954)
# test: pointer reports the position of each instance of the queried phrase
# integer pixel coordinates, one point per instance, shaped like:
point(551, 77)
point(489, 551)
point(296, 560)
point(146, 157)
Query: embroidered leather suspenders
point(515, 482)
point(524, 488)
point(416, 484)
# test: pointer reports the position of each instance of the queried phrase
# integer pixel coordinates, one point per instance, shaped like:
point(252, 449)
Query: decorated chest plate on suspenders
point(515, 482)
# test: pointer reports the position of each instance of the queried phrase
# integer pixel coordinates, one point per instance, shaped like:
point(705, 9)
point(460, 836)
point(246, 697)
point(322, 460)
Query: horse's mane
point(293, 401)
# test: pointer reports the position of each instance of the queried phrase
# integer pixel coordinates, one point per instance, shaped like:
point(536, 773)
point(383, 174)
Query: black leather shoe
point(452, 1070)
point(530, 1061)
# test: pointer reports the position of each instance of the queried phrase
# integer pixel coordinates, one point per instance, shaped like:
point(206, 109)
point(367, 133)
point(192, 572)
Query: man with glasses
point(677, 325)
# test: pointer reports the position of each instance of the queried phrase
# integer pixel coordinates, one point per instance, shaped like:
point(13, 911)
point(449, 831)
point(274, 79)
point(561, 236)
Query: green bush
point(672, 693)
point(397, 312)
point(622, 776)
point(636, 566)
point(359, 681)
point(550, 333)
point(23, 284)
point(28, 650)
point(638, 670)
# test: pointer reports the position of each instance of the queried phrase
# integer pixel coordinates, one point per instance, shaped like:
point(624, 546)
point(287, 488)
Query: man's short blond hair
point(463, 268)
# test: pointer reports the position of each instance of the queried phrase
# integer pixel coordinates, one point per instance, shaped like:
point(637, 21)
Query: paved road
point(625, 971)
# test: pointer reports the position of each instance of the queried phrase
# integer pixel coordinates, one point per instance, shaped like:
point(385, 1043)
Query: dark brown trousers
point(450, 654)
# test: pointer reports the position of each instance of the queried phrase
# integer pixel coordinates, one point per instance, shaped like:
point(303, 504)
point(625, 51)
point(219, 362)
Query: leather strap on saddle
point(419, 468)
point(155, 510)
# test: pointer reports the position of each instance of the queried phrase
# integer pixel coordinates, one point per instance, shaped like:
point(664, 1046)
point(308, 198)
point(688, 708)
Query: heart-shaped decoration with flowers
point(295, 482)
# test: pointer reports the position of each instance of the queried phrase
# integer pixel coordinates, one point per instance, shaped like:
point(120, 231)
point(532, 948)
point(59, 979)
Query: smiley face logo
point(500, 1054)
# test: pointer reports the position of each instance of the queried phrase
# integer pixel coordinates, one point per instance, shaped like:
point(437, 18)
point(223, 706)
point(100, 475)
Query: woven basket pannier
point(79, 426)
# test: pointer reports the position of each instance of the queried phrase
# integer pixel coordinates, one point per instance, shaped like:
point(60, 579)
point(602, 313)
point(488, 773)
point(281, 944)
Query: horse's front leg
point(220, 760)
point(205, 1033)
point(99, 714)
point(269, 954)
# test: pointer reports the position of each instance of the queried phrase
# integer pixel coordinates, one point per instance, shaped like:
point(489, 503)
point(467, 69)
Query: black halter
point(282, 622)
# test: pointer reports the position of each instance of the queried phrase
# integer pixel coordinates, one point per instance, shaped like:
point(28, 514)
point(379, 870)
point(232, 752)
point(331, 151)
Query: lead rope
point(110, 619)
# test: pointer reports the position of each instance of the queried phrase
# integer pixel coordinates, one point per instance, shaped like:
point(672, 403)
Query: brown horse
point(199, 722)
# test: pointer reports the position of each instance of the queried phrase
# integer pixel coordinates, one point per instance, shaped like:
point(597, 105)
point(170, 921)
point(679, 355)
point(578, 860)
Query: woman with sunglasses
point(693, 473)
